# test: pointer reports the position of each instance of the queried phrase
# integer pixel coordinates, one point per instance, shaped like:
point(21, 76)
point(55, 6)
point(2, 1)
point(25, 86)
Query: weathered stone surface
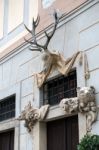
point(85, 103)
point(31, 115)
point(23, 72)
point(59, 40)
point(23, 141)
point(35, 65)
point(7, 73)
point(95, 128)
point(93, 59)
point(85, 43)
point(27, 86)
point(93, 79)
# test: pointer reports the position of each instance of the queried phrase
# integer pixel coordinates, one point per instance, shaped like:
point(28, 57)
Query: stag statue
point(35, 46)
point(47, 57)
point(52, 59)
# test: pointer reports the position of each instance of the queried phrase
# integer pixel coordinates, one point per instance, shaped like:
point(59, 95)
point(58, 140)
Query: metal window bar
point(59, 88)
point(7, 108)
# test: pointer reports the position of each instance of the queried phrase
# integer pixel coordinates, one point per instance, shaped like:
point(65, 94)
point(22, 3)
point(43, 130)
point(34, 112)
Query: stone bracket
point(84, 103)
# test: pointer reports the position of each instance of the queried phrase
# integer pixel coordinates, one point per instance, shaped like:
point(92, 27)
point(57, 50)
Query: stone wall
point(77, 32)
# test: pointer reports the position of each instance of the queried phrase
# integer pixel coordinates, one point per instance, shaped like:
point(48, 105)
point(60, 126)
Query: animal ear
point(93, 89)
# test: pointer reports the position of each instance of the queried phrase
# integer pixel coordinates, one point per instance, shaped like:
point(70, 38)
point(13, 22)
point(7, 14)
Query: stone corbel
point(31, 115)
point(84, 103)
point(69, 105)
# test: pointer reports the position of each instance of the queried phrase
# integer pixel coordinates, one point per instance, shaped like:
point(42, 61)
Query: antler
point(49, 36)
point(34, 45)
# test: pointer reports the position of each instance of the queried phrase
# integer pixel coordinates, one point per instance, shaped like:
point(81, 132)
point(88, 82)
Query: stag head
point(35, 46)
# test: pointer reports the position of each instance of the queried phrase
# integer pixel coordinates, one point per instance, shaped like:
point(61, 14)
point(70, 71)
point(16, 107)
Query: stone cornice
point(20, 44)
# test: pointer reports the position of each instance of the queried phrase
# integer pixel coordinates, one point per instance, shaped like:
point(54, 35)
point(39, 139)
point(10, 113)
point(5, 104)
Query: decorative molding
point(31, 115)
point(84, 103)
point(13, 49)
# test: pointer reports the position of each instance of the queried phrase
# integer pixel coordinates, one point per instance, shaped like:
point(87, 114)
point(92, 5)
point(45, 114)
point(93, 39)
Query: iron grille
point(7, 108)
point(59, 88)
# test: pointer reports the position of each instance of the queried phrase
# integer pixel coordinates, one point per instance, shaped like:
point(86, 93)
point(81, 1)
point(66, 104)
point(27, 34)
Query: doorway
point(7, 140)
point(63, 134)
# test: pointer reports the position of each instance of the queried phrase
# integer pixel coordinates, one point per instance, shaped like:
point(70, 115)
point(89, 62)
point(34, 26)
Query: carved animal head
point(86, 94)
point(35, 46)
point(69, 105)
point(64, 104)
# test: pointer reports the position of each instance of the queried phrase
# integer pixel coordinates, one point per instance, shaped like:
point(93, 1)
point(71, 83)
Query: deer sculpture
point(48, 57)
point(52, 59)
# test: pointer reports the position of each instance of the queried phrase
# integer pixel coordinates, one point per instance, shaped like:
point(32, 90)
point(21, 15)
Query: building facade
point(77, 30)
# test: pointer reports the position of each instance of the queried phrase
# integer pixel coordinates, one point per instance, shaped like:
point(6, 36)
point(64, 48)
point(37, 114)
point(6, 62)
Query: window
point(13, 15)
point(7, 108)
point(59, 88)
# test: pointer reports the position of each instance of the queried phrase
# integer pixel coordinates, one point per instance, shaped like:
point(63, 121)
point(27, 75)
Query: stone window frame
point(55, 112)
point(12, 123)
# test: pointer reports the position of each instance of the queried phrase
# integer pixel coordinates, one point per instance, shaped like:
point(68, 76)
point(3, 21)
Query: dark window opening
point(7, 140)
point(59, 88)
point(63, 134)
point(7, 108)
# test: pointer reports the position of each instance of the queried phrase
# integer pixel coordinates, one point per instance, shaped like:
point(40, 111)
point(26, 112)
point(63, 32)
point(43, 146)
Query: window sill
point(55, 112)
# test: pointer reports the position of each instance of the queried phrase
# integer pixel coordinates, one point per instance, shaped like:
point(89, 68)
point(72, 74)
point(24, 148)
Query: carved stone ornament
point(31, 115)
point(84, 103)
point(69, 105)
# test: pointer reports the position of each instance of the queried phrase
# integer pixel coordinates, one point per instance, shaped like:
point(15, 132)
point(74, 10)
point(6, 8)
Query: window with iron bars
point(60, 87)
point(7, 108)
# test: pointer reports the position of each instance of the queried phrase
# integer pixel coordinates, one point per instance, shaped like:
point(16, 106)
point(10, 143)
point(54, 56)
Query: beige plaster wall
point(64, 6)
point(33, 10)
point(15, 13)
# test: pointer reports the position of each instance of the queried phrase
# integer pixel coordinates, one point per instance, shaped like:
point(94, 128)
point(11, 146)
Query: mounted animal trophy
point(52, 59)
point(35, 46)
